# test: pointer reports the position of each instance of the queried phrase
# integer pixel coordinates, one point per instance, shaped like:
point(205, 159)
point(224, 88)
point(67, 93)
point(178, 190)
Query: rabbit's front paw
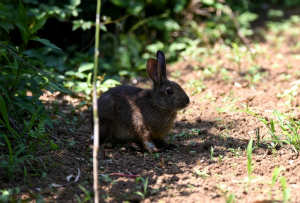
point(153, 150)
point(150, 147)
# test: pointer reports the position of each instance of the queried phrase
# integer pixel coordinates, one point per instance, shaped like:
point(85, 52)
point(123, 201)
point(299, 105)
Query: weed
point(255, 74)
point(238, 55)
point(145, 185)
point(88, 195)
point(202, 174)
point(236, 152)
point(290, 131)
point(194, 131)
point(225, 75)
point(172, 137)
point(220, 157)
point(286, 77)
point(234, 165)
point(275, 175)
point(229, 197)
point(250, 167)
point(289, 95)
point(209, 96)
point(286, 191)
point(6, 195)
point(156, 155)
point(197, 86)
point(176, 74)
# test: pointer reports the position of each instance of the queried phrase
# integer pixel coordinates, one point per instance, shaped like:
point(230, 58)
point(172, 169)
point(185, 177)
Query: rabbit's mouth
point(181, 105)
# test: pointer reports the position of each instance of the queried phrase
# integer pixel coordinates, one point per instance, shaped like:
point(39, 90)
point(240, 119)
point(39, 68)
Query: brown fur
point(130, 115)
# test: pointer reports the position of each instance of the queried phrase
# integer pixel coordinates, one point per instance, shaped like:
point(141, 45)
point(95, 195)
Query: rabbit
point(142, 117)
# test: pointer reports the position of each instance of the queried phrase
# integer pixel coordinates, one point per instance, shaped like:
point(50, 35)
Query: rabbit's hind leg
point(106, 131)
point(133, 146)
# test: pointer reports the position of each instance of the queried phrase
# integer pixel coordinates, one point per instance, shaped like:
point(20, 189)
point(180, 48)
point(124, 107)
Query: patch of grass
point(289, 95)
point(197, 86)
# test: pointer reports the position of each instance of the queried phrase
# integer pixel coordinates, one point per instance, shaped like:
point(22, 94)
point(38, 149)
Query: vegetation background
point(49, 45)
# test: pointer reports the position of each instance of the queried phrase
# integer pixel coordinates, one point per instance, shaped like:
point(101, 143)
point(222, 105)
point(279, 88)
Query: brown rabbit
point(130, 115)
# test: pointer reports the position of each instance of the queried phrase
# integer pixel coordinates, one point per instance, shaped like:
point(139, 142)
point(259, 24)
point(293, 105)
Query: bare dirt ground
point(191, 173)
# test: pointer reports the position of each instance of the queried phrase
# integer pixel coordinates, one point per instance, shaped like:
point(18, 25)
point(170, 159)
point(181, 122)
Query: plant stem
point(95, 110)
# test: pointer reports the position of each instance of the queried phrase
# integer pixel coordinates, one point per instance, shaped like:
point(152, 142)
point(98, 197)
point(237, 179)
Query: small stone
point(123, 149)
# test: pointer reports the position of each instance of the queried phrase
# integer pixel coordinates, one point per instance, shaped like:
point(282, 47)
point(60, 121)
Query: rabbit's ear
point(153, 70)
point(162, 63)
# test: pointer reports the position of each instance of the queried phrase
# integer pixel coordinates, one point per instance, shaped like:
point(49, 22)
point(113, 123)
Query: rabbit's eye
point(169, 91)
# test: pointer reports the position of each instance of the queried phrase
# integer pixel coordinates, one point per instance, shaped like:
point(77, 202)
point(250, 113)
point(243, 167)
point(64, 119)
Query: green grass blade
point(4, 111)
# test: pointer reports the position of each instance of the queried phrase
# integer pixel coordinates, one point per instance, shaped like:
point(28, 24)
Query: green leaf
point(75, 2)
point(154, 47)
point(51, 87)
point(175, 46)
point(4, 110)
point(247, 17)
point(21, 22)
point(85, 66)
point(34, 116)
point(34, 53)
point(120, 3)
point(45, 42)
point(26, 106)
point(167, 24)
point(39, 24)
point(7, 26)
point(85, 25)
point(208, 2)
point(47, 119)
point(45, 50)
point(103, 27)
point(3, 10)
point(8, 98)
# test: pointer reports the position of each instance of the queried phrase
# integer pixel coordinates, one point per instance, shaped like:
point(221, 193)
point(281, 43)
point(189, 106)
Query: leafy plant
point(145, 185)
point(21, 87)
point(250, 167)
point(229, 197)
point(286, 191)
